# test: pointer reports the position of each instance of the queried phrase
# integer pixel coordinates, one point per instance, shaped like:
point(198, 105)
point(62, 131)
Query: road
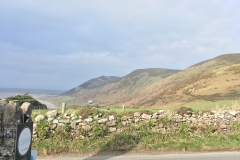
point(193, 156)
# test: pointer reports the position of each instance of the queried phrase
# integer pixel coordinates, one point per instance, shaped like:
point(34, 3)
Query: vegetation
point(139, 138)
point(26, 98)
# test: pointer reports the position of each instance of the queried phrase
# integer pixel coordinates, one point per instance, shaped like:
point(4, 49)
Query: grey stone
point(82, 124)
point(87, 127)
point(73, 114)
point(111, 117)
point(155, 116)
point(161, 111)
point(104, 120)
point(52, 113)
point(39, 117)
point(145, 116)
point(56, 121)
point(66, 121)
point(79, 121)
point(73, 124)
point(111, 123)
point(233, 113)
point(88, 120)
point(50, 119)
point(112, 129)
point(124, 118)
point(54, 126)
point(137, 114)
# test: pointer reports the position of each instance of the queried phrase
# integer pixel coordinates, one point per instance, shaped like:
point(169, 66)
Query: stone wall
point(10, 116)
point(220, 122)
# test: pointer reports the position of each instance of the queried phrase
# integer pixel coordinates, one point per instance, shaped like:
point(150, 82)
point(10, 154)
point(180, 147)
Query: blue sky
point(60, 44)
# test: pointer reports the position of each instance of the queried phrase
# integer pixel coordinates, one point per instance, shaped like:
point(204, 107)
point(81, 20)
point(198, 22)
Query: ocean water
point(5, 95)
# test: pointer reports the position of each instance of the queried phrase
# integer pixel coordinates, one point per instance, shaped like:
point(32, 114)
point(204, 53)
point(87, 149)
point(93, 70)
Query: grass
point(209, 105)
point(140, 139)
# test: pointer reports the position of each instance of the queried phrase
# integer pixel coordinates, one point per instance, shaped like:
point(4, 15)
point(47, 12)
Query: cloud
point(61, 44)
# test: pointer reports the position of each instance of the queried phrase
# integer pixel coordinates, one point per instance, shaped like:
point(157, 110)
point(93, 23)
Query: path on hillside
point(192, 156)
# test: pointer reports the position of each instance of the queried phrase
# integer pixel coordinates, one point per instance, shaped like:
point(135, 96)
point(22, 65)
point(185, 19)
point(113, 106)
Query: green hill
point(210, 80)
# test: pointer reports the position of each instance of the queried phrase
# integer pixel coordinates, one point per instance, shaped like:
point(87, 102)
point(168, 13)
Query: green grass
point(209, 105)
point(139, 139)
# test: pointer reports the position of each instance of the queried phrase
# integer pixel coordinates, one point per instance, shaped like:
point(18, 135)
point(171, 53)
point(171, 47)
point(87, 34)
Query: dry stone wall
point(219, 122)
point(10, 116)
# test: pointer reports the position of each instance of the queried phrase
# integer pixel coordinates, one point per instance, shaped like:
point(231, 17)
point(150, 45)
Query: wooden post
point(63, 107)
point(123, 108)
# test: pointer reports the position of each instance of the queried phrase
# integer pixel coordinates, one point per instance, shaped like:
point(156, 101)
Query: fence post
point(63, 107)
point(123, 108)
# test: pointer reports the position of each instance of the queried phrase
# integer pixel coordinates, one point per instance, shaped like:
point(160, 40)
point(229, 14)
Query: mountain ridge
point(146, 86)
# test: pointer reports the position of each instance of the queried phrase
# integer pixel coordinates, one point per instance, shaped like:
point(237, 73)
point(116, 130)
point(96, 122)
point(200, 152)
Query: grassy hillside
point(117, 90)
point(211, 80)
point(91, 84)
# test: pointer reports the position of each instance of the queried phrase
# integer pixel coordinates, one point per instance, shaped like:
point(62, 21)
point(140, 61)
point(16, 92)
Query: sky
point(60, 44)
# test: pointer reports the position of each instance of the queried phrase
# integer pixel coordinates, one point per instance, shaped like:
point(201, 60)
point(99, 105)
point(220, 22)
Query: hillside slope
point(212, 79)
point(91, 84)
point(121, 89)
point(209, 80)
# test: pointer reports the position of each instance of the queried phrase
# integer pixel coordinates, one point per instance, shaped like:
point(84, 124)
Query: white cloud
point(73, 41)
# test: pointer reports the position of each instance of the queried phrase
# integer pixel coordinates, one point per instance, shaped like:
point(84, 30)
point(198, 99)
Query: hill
point(120, 89)
point(213, 79)
point(91, 84)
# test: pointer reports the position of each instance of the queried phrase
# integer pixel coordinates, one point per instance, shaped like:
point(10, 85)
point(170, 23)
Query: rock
point(161, 111)
point(73, 124)
point(65, 121)
point(87, 128)
point(104, 120)
point(124, 123)
point(137, 114)
point(96, 116)
point(223, 126)
point(137, 120)
point(112, 129)
point(124, 118)
point(73, 118)
point(39, 117)
point(111, 123)
point(55, 121)
point(54, 126)
point(111, 117)
point(34, 125)
point(82, 124)
point(73, 114)
point(233, 113)
point(50, 119)
point(155, 116)
point(88, 120)
point(100, 114)
point(145, 116)
point(52, 113)
point(79, 121)
point(160, 125)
